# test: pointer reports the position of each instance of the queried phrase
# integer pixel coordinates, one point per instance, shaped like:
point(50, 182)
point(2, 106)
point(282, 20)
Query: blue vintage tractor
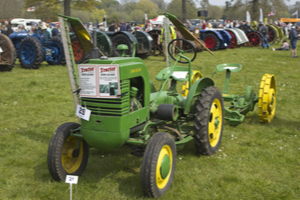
point(32, 50)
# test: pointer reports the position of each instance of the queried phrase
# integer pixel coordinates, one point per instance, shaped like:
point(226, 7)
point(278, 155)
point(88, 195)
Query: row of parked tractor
point(32, 50)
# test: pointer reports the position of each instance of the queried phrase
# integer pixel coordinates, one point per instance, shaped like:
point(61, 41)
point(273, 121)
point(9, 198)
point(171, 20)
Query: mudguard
point(211, 31)
point(240, 35)
point(128, 34)
point(227, 37)
point(194, 93)
point(144, 42)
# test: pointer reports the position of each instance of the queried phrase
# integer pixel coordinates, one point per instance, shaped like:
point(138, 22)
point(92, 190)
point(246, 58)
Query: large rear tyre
point(31, 53)
point(59, 55)
point(232, 40)
point(80, 55)
point(209, 120)
point(8, 55)
point(158, 166)
point(122, 39)
point(63, 157)
point(211, 41)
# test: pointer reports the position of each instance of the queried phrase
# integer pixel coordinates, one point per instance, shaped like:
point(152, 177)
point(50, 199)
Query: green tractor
point(126, 109)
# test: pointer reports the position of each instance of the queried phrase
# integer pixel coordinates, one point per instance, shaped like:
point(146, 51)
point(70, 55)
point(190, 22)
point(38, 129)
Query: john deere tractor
point(126, 109)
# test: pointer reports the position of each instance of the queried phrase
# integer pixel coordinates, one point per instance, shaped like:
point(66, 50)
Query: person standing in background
point(293, 36)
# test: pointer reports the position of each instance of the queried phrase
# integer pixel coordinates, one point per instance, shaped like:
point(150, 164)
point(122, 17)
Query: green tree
point(77, 4)
point(98, 14)
point(215, 12)
point(175, 8)
point(147, 6)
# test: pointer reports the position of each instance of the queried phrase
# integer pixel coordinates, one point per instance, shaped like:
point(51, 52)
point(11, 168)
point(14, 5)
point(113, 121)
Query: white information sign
point(99, 81)
point(71, 179)
point(83, 113)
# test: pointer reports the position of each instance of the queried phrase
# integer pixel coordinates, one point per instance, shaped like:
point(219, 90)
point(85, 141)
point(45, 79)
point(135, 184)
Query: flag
point(31, 9)
point(146, 17)
point(260, 15)
point(295, 13)
point(271, 13)
point(248, 17)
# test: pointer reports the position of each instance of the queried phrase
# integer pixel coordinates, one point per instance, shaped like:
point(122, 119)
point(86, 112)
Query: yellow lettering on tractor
point(136, 70)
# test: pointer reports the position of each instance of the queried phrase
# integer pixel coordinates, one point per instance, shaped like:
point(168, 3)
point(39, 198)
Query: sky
point(222, 2)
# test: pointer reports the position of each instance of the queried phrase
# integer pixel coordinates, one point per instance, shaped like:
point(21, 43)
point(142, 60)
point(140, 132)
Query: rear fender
point(194, 93)
point(128, 34)
point(202, 32)
point(227, 37)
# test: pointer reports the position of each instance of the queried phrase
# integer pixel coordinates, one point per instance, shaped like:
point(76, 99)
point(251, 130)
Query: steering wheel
point(182, 46)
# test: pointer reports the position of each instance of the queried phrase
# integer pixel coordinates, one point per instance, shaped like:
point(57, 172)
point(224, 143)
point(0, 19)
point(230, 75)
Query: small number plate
point(83, 113)
point(71, 179)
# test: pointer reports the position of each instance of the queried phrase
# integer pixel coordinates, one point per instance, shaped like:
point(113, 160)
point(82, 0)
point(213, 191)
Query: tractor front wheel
point(63, 157)
point(209, 120)
point(158, 166)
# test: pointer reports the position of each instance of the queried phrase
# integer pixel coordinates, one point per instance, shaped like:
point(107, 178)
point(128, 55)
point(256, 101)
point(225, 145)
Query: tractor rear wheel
point(211, 41)
point(254, 39)
point(63, 157)
point(31, 53)
point(8, 55)
point(158, 166)
point(59, 56)
point(232, 40)
point(80, 56)
point(209, 120)
point(122, 39)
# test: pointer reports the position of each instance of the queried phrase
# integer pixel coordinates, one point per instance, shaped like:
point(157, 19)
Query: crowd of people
point(45, 30)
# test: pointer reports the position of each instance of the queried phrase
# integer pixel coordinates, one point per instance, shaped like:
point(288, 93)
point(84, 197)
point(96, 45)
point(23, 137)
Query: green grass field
point(255, 161)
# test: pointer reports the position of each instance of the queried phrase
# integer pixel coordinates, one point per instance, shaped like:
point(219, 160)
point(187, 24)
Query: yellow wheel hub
point(160, 181)
point(215, 123)
point(267, 98)
point(70, 163)
point(185, 87)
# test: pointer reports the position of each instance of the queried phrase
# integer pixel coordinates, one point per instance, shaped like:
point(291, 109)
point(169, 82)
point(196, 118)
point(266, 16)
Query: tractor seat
point(179, 73)
point(233, 67)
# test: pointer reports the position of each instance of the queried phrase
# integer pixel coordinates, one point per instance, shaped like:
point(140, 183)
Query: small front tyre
point(63, 157)
point(208, 121)
point(158, 166)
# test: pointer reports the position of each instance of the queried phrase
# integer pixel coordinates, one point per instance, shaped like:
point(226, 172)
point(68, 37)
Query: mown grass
point(255, 161)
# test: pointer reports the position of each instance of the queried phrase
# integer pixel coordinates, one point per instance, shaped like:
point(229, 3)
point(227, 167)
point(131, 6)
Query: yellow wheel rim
point(69, 163)
point(267, 98)
point(215, 123)
point(185, 87)
point(162, 182)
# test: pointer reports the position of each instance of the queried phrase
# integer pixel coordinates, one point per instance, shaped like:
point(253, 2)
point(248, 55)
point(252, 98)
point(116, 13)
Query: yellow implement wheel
point(63, 157)
point(215, 123)
point(185, 87)
point(158, 166)
point(267, 98)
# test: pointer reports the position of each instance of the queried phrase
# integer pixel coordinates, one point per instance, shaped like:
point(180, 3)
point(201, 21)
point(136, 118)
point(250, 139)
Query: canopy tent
point(158, 20)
